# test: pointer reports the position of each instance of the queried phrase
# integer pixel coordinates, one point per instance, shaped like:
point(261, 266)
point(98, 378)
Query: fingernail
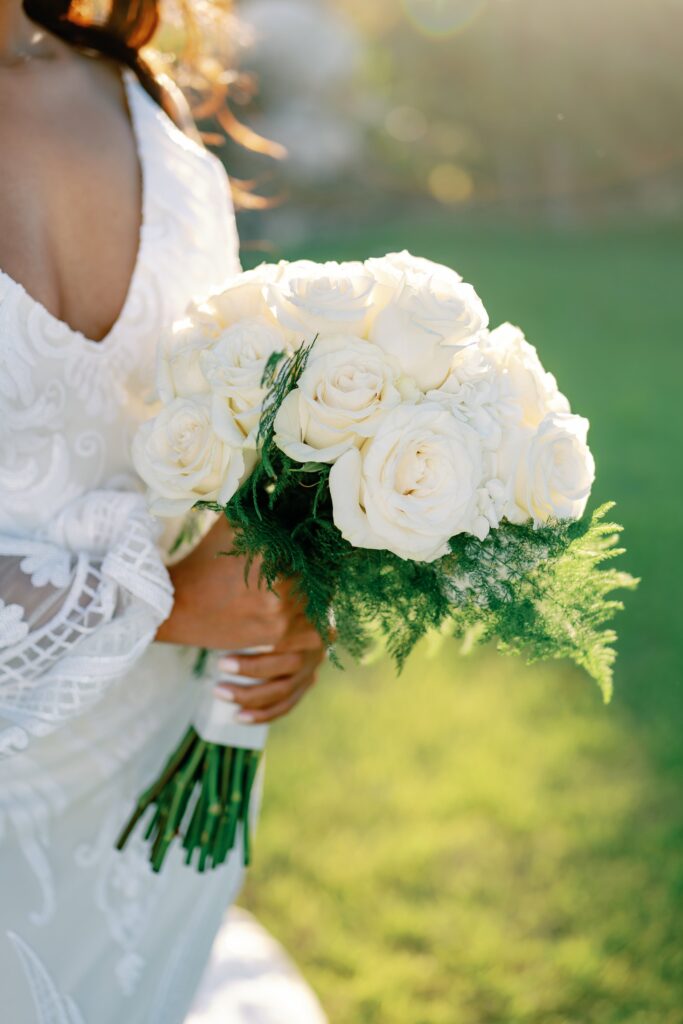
point(223, 694)
point(229, 664)
point(244, 717)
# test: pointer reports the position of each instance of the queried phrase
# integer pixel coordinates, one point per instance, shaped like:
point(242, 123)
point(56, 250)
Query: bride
point(112, 218)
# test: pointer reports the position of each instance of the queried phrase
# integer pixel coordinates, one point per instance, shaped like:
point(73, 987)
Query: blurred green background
point(480, 841)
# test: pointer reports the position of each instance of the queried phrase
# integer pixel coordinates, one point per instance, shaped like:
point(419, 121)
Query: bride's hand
point(286, 674)
point(215, 608)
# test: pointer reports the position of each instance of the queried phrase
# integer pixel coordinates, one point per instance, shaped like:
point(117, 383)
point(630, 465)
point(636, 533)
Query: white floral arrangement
point(368, 435)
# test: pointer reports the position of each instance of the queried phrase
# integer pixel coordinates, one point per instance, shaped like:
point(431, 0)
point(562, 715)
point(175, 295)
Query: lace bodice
point(82, 586)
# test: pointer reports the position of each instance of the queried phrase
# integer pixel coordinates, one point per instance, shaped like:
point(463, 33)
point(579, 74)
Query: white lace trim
point(118, 593)
point(13, 628)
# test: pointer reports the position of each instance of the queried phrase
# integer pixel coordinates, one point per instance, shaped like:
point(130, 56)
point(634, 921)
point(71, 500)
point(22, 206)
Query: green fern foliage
point(541, 592)
point(544, 592)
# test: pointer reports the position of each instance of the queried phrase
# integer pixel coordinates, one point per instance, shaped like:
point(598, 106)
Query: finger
point(261, 696)
point(263, 666)
point(273, 712)
point(265, 694)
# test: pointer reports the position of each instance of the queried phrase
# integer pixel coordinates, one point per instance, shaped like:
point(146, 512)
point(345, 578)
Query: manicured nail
point(229, 665)
point(223, 694)
point(245, 717)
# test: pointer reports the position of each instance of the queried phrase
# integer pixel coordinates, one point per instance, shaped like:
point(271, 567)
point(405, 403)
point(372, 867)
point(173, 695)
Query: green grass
point(478, 841)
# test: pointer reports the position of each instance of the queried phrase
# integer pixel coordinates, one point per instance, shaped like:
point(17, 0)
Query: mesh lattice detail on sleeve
point(118, 594)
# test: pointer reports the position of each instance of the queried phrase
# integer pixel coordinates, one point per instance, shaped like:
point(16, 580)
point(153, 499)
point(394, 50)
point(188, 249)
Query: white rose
point(554, 472)
point(179, 371)
point(412, 486)
point(472, 393)
point(234, 365)
point(347, 386)
point(185, 455)
point(425, 313)
point(390, 269)
point(321, 298)
point(243, 297)
point(524, 381)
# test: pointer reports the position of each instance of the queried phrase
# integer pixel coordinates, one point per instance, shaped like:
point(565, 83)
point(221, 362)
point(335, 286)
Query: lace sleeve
point(78, 606)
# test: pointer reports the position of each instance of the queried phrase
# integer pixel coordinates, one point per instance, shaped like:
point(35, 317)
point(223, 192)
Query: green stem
point(180, 794)
point(214, 807)
point(150, 795)
point(196, 823)
point(252, 768)
point(221, 779)
point(235, 796)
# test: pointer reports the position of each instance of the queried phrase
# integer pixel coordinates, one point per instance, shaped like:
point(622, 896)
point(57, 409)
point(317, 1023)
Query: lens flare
point(442, 17)
point(450, 184)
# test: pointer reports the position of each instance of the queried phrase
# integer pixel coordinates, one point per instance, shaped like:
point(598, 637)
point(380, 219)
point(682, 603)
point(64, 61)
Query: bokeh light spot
point(450, 183)
point(406, 124)
point(442, 17)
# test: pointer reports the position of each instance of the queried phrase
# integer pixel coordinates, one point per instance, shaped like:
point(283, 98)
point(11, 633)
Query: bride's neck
point(18, 34)
point(16, 30)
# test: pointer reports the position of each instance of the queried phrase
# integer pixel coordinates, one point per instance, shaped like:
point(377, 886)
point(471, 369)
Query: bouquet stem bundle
point(202, 795)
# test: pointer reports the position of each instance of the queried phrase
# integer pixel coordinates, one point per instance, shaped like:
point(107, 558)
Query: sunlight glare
point(442, 17)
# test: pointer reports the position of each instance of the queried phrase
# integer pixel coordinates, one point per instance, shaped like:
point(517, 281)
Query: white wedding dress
point(89, 705)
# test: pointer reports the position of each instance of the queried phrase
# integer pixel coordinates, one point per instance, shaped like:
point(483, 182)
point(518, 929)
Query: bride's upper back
point(70, 201)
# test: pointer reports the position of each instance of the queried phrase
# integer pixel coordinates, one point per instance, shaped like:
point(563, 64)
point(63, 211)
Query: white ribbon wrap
point(215, 719)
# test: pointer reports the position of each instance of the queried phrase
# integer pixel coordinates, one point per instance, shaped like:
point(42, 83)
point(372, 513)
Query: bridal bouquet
point(368, 435)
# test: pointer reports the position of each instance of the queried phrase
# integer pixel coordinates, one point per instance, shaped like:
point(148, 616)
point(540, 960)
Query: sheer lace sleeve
point(78, 606)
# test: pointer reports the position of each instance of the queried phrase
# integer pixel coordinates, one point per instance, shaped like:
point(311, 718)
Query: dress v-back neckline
point(130, 89)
